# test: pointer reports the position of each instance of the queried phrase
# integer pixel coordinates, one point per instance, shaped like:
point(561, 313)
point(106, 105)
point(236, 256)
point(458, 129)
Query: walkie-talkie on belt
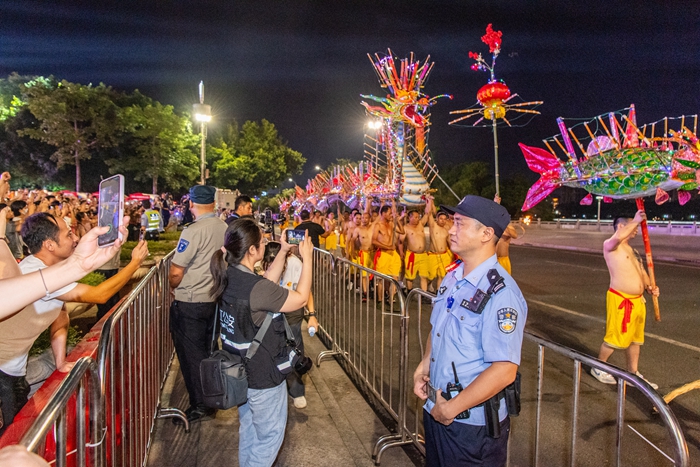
point(452, 390)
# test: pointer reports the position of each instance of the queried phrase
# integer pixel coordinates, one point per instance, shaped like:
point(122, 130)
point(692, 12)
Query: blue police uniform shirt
point(472, 341)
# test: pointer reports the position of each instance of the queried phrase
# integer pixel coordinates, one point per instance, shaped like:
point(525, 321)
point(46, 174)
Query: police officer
point(192, 311)
point(477, 329)
point(151, 222)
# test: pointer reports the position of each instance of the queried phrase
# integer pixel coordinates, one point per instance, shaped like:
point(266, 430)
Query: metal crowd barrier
point(134, 354)
point(83, 384)
point(381, 344)
point(362, 327)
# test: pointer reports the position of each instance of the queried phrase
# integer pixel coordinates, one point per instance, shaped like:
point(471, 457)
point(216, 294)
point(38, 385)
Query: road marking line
point(600, 320)
point(577, 266)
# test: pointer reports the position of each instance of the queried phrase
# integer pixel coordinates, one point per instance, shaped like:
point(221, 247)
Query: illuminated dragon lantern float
point(397, 160)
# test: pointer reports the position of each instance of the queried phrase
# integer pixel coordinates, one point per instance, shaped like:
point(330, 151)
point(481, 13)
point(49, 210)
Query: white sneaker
point(300, 402)
point(602, 376)
point(655, 386)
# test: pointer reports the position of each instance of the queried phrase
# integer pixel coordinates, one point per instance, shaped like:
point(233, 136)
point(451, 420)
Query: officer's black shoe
point(196, 414)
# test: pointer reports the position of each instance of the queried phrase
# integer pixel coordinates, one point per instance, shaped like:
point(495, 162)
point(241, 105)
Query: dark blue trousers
point(459, 444)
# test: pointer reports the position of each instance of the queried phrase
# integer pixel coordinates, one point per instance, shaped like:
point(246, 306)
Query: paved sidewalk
point(668, 248)
point(337, 428)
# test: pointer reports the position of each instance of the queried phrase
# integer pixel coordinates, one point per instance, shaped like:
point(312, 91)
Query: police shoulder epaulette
point(453, 265)
point(188, 224)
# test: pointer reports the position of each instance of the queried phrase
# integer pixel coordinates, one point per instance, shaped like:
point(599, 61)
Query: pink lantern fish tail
point(548, 166)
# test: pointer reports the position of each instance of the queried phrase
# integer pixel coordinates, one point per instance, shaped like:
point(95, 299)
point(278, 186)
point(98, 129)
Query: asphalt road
point(565, 291)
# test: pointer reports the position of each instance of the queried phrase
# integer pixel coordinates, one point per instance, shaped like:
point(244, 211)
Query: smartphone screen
point(294, 237)
point(111, 208)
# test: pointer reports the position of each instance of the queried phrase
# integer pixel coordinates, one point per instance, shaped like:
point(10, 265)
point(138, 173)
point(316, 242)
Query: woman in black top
point(245, 301)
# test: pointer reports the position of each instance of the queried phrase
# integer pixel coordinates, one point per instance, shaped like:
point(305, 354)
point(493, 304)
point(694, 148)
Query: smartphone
point(294, 237)
point(110, 210)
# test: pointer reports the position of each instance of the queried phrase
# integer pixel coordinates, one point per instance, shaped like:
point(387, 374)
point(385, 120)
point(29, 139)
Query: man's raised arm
point(624, 232)
point(83, 293)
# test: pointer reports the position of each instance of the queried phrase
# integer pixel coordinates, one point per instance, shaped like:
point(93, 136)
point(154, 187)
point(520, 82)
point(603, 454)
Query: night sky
point(303, 64)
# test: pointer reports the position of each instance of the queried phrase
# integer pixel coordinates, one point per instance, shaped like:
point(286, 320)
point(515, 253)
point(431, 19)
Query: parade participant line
point(600, 320)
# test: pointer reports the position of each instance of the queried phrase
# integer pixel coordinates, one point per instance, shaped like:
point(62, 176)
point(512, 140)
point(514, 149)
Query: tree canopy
point(253, 158)
point(157, 145)
point(75, 119)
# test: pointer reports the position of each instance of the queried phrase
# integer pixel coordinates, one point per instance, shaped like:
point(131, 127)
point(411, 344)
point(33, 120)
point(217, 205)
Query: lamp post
point(202, 113)
point(599, 198)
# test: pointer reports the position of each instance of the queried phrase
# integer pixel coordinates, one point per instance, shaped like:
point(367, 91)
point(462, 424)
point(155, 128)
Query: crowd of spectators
point(53, 237)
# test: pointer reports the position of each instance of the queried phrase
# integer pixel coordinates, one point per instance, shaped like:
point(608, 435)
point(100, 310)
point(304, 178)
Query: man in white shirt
point(49, 241)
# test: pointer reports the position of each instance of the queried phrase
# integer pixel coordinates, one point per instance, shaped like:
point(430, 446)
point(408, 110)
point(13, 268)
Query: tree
point(73, 118)
point(156, 145)
point(254, 158)
point(467, 178)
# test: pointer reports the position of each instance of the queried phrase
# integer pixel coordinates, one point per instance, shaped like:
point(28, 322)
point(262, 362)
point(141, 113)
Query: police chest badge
point(442, 290)
point(507, 319)
point(182, 245)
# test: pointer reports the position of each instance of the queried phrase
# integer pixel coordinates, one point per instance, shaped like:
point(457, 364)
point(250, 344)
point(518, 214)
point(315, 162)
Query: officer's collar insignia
point(182, 245)
point(453, 265)
point(442, 289)
point(507, 320)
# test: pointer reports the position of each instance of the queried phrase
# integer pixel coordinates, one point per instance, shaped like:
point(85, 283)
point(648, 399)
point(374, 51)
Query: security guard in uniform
point(151, 222)
point(473, 352)
point(192, 311)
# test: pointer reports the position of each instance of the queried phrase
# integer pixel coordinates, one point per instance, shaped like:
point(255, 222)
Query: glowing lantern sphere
point(492, 97)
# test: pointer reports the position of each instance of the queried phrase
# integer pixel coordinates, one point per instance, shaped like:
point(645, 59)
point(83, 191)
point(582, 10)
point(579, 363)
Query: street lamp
point(317, 168)
point(291, 180)
point(599, 198)
point(202, 113)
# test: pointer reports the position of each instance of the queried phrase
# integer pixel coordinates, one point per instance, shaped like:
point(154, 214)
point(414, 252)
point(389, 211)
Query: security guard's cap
point(202, 194)
point(488, 212)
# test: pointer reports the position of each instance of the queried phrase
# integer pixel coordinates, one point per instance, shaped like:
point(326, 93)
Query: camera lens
point(303, 365)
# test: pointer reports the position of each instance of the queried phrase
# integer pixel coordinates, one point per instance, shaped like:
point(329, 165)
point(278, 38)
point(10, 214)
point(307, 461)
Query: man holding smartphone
point(192, 311)
point(316, 231)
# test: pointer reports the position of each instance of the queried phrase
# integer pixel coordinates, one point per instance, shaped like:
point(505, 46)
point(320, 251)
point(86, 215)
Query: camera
point(301, 363)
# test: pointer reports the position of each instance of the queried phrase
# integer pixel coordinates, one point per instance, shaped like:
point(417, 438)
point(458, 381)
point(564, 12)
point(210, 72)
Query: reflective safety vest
point(153, 217)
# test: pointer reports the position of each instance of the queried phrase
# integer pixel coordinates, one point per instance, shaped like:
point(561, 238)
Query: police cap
point(488, 212)
point(202, 194)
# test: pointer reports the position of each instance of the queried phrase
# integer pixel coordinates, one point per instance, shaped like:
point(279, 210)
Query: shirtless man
point(417, 261)
point(386, 260)
point(361, 238)
point(332, 225)
point(503, 246)
point(629, 280)
point(346, 229)
point(441, 256)
point(351, 246)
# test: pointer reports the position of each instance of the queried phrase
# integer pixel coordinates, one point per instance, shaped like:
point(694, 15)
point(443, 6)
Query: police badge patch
point(182, 245)
point(442, 289)
point(507, 319)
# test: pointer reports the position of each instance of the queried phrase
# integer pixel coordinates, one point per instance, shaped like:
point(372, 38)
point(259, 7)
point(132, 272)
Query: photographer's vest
point(153, 217)
point(238, 329)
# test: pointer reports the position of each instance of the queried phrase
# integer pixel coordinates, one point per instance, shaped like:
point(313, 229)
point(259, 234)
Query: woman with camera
point(290, 280)
point(246, 300)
